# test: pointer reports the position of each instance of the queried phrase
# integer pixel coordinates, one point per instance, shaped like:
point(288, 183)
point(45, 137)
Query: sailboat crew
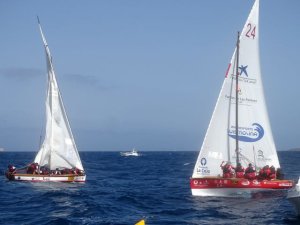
point(239, 171)
point(267, 172)
point(11, 169)
point(250, 172)
point(264, 173)
point(272, 172)
point(33, 168)
point(228, 170)
point(279, 175)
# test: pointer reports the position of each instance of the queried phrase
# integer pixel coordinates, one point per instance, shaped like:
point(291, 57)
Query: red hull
point(219, 182)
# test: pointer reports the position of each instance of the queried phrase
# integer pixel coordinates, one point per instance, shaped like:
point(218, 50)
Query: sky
point(143, 74)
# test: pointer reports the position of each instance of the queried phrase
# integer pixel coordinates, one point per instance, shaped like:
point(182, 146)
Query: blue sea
point(123, 190)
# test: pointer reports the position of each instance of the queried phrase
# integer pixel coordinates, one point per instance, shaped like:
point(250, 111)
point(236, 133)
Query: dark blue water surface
point(123, 190)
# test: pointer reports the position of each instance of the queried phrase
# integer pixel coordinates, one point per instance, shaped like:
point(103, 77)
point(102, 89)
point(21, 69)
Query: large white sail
point(58, 149)
point(256, 142)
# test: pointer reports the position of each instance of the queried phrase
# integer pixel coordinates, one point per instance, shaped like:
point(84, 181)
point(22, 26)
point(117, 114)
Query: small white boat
point(131, 153)
point(294, 196)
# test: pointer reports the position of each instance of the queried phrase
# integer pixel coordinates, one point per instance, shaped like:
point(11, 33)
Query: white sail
point(58, 149)
point(256, 142)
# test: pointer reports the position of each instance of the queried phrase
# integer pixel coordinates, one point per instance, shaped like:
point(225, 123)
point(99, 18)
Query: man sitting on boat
point(272, 173)
point(77, 171)
point(264, 173)
point(57, 172)
point(228, 170)
point(250, 172)
point(239, 171)
point(33, 168)
point(279, 174)
point(11, 169)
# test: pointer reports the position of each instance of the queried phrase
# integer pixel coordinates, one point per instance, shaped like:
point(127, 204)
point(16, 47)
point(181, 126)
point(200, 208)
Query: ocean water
point(123, 190)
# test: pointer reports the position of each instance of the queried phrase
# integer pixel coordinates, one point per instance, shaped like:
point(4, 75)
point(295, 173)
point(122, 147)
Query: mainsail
point(58, 149)
point(256, 144)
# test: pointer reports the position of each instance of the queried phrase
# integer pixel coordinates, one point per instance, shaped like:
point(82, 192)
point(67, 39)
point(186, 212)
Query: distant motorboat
point(133, 152)
point(294, 196)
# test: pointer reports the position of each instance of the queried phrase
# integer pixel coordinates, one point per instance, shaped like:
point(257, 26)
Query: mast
point(237, 101)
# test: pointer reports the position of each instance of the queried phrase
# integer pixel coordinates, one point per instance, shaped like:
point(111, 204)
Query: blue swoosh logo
point(247, 138)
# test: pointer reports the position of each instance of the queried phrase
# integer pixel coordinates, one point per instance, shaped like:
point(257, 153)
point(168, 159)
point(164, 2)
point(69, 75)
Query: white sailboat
point(239, 131)
point(294, 197)
point(133, 152)
point(58, 158)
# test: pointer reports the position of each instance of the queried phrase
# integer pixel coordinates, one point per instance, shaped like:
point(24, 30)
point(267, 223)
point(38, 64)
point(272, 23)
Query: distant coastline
point(294, 150)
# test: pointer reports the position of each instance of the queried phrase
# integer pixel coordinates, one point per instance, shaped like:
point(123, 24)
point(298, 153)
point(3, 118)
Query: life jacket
point(267, 172)
point(11, 169)
point(227, 169)
point(261, 173)
point(264, 173)
point(272, 176)
point(250, 175)
point(250, 170)
point(239, 169)
point(227, 175)
point(239, 174)
point(30, 168)
point(279, 174)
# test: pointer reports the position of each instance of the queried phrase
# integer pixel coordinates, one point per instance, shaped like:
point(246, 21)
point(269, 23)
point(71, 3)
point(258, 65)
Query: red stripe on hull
point(216, 182)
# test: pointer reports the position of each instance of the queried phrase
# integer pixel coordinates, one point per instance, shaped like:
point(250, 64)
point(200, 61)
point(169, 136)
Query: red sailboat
point(239, 132)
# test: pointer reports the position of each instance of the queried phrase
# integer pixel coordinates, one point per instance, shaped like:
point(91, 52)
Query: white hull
point(131, 153)
point(48, 178)
point(223, 192)
point(233, 192)
point(294, 197)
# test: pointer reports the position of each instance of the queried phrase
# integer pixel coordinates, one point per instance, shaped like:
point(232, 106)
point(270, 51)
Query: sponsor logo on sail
point(261, 156)
point(247, 134)
point(242, 100)
point(243, 74)
point(203, 169)
point(243, 70)
point(203, 161)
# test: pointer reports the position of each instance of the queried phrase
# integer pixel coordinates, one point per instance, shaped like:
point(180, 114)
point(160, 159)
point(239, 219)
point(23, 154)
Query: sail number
point(251, 31)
